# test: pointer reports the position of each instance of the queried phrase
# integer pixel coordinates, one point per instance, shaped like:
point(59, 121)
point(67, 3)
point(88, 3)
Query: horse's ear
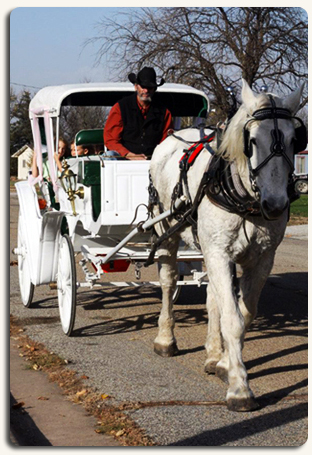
point(292, 102)
point(248, 96)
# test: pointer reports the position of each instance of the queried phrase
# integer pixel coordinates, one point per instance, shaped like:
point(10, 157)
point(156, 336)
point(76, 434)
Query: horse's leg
point(217, 354)
point(251, 284)
point(239, 396)
point(214, 341)
point(222, 367)
point(165, 342)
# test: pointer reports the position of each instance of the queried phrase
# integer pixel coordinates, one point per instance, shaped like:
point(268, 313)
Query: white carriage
point(97, 208)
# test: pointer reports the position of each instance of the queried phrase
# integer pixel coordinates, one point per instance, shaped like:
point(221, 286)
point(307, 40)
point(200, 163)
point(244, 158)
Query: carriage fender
point(49, 246)
point(41, 234)
point(30, 220)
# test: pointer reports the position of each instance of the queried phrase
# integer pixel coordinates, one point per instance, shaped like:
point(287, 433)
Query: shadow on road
point(250, 426)
point(282, 307)
point(23, 429)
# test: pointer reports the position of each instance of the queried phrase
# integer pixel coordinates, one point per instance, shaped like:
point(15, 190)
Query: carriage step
point(19, 251)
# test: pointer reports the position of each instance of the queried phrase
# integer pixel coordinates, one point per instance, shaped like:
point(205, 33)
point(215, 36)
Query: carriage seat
point(90, 137)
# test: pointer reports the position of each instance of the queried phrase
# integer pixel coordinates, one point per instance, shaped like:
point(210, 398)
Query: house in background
point(24, 156)
point(301, 171)
point(301, 162)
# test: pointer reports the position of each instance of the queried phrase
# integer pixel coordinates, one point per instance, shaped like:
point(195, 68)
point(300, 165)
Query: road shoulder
point(40, 415)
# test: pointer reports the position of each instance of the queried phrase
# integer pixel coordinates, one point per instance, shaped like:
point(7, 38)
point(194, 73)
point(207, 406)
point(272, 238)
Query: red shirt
point(114, 127)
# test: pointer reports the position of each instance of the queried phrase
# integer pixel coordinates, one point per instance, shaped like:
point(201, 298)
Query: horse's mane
point(232, 144)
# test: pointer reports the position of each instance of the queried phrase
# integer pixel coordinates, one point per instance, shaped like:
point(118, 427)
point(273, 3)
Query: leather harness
point(220, 181)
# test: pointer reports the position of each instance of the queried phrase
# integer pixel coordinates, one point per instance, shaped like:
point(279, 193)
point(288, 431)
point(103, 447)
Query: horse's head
point(269, 143)
point(264, 129)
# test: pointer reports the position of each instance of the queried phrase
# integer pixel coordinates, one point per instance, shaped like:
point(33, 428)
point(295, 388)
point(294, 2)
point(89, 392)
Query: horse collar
point(225, 189)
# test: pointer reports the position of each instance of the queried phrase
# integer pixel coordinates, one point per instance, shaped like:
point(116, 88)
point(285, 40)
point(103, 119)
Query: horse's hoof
point(166, 351)
point(242, 404)
point(222, 374)
point(210, 367)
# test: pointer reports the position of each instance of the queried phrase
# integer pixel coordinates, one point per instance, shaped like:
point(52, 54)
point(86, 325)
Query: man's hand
point(134, 156)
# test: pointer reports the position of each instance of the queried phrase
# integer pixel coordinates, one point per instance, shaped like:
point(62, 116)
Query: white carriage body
point(115, 198)
point(123, 193)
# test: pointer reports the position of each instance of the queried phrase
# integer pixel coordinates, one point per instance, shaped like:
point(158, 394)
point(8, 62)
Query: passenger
point(98, 149)
point(63, 152)
point(82, 150)
point(63, 148)
point(137, 123)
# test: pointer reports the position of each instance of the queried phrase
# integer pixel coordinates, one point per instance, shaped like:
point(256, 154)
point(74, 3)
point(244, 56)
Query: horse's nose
point(273, 208)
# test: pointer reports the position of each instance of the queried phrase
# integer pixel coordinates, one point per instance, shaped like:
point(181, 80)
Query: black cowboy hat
point(146, 78)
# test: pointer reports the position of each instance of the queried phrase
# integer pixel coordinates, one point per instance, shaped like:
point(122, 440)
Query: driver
point(137, 123)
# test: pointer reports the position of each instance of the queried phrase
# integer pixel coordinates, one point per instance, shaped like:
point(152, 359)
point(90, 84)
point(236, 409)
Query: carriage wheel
point(301, 186)
point(26, 286)
point(66, 284)
point(177, 290)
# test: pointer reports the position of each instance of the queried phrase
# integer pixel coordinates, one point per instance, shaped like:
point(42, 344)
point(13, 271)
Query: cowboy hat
point(146, 78)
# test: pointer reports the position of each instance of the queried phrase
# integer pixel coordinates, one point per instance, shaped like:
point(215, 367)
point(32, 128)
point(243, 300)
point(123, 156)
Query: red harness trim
point(195, 151)
point(194, 154)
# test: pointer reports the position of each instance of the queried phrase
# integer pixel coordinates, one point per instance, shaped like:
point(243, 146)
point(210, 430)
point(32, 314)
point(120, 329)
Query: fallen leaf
point(36, 367)
point(18, 405)
point(104, 396)
point(43, 398)
point(120, 433)
point(81, 392)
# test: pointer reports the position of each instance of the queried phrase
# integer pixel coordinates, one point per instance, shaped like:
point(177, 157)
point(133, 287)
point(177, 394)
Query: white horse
point(229, 238)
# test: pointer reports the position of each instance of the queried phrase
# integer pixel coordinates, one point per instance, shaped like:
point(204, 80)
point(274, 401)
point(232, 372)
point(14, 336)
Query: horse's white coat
point(223, 242)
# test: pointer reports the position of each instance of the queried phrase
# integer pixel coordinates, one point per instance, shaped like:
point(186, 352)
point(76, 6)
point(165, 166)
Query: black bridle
point(278, 147)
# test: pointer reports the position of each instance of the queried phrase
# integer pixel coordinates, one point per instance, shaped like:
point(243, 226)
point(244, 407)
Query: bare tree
point(76, 118)
point(210, 48)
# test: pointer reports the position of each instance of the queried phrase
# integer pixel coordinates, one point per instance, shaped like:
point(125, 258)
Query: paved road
point(113, 346)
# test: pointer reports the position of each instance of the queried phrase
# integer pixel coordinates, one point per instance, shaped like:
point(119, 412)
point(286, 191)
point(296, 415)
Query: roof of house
point(22, 150)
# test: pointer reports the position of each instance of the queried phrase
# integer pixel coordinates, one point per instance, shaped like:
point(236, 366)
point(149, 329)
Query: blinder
point(277, 145)
point(301, 137)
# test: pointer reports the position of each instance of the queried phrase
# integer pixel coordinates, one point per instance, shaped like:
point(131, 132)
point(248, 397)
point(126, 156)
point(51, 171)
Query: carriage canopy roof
point(181, 100)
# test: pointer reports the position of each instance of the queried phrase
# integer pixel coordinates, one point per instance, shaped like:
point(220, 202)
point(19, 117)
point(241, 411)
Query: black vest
point(139, 135)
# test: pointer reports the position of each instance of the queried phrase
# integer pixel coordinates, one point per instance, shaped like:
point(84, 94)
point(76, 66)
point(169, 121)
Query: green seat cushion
point(92, 178)
point(92, 173)
point(85, 137)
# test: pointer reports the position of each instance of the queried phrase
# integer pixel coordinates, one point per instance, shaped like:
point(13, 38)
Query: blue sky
point(46, 45)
